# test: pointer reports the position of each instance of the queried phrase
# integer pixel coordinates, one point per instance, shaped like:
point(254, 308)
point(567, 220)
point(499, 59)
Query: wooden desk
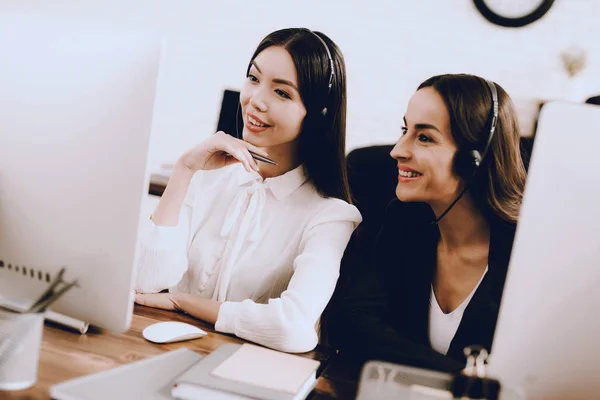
point(66, 355)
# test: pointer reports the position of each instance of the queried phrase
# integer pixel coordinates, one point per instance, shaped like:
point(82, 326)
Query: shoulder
point(502, 236)
point(406, 237)
point(330, 209)
point(329, 224)
point(411, 218)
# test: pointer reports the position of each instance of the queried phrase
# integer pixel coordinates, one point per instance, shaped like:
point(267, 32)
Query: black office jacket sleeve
point(381, 308)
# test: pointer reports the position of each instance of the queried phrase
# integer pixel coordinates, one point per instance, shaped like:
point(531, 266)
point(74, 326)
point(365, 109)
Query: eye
point(252, 78)
point(283, 94)
point(404, 130)
point(424, 138)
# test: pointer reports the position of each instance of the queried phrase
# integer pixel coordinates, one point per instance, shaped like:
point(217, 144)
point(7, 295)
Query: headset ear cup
point(466, 163)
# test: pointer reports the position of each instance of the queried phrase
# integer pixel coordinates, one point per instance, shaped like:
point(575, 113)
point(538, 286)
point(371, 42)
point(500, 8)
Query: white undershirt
point(442, 326)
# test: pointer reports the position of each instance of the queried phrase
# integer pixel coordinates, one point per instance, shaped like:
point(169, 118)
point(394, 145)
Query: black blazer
point(381, 306)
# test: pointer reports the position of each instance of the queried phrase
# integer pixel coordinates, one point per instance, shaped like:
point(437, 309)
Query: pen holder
point(20, 342)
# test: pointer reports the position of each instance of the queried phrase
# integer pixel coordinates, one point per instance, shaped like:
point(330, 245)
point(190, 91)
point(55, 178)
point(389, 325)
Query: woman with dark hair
point(256, 251)
point(435, 280)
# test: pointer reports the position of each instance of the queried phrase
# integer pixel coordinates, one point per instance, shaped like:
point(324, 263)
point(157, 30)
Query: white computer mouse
point(171, 331)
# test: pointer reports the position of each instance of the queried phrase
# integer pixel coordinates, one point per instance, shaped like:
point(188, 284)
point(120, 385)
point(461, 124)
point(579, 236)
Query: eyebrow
point(277, 80)
point(422, 125)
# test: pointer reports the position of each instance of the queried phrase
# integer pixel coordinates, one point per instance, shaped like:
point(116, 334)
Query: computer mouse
point(171, 331)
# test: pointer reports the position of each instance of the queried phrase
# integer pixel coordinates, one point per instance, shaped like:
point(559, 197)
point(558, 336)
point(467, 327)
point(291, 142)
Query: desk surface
point(66, 354)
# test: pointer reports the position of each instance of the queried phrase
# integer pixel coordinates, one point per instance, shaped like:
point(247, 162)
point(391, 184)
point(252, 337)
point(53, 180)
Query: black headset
point(468, 160)
point(331, 73)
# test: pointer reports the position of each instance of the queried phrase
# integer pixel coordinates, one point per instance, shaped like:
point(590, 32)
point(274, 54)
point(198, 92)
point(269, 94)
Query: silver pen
point(261, 158)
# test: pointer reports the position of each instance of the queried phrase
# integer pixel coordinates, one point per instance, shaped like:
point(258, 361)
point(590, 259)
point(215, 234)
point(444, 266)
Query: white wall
point(390, 47)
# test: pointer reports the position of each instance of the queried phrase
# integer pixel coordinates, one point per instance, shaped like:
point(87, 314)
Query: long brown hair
point(322, 141)
point(498, 185)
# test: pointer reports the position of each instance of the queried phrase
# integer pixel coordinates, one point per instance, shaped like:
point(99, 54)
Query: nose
point(402, 150)
point(257, 100)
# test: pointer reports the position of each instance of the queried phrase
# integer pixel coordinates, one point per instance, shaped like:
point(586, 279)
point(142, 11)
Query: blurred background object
point(389, 46)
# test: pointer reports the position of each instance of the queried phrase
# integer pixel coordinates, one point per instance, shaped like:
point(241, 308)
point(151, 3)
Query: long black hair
point(322, 141)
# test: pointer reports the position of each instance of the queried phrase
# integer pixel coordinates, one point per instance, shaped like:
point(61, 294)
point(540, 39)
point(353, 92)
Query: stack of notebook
point(230, 372)
point(247, 372)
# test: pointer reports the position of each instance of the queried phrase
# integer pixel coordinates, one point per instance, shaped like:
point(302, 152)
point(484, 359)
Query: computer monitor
point(547, 336)
point(230, 116)
point(76, 110)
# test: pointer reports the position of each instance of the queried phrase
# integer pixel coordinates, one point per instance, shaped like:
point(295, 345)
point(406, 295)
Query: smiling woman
point(257, 251)
point(272, 109)
point(435, 283)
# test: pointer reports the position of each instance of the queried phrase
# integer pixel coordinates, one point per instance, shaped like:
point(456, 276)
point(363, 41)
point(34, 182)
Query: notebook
point(150, 378)
point(247, 371)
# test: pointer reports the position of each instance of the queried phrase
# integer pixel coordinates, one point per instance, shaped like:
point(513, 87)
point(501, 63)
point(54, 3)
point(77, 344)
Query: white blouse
point(269, 250)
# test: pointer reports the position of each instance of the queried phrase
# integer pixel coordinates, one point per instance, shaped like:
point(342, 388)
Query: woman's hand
point(219, 151)
point(201, 308)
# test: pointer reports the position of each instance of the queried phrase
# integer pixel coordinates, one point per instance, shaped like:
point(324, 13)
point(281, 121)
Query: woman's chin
point(254, 139)
point(249, 137)
point(407, 196)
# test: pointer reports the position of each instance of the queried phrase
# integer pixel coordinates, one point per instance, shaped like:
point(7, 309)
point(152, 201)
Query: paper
point(267, 368)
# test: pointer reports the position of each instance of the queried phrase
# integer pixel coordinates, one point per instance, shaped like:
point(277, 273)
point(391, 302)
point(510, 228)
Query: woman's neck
point(286, 156)
point(463, 225)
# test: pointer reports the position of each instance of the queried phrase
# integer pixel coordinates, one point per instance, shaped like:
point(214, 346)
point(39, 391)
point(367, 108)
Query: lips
point(254, 120)
point(407, 173)
point(255, 124)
